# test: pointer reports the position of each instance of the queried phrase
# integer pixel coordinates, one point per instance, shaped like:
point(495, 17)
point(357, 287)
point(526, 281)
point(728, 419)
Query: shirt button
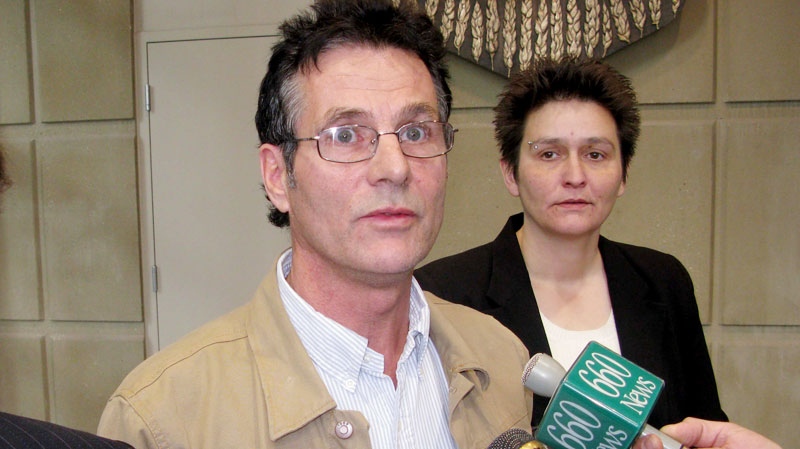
point(344, 430)
point(350, 384)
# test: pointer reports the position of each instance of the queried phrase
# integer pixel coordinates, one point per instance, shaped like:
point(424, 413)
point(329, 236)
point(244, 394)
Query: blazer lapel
point(636, 312)
point(510, 289)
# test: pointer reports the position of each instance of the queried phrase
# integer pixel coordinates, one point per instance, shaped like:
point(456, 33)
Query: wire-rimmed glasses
point(356, 143)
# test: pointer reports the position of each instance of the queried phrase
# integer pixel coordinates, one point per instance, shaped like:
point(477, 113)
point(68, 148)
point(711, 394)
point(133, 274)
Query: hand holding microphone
point(603, 402)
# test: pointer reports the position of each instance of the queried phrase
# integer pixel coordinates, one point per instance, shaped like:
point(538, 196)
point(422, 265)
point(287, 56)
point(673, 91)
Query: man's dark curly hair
point(566, 79)
point(332, 24)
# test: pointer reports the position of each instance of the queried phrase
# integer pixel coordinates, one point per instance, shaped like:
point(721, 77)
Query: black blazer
point(652, 297)
point(17, 432)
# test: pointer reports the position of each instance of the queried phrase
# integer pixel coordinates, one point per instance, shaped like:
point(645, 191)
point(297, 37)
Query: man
point(340, 347)
point(25, 433)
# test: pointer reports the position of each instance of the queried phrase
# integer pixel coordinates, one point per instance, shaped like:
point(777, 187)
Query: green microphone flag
point(602, 402)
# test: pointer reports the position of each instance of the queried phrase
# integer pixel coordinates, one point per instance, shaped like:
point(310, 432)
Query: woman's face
point(570, 175)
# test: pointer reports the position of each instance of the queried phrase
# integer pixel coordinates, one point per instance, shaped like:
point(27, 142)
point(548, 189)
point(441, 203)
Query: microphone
point(515, 439)
point(603, 402)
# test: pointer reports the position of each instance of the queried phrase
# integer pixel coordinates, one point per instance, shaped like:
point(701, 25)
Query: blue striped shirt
point(412, 416)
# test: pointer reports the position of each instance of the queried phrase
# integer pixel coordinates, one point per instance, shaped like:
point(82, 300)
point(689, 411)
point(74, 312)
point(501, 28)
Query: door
point(212, 241)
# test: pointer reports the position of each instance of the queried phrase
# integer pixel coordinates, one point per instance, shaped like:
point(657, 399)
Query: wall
point(714, 182)
point(70, 300)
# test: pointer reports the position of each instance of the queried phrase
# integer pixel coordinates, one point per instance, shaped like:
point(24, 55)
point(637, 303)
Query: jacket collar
point(508, 266)
point(293, 391)
point(635, 312)
point(510, 289)
point(456, 355)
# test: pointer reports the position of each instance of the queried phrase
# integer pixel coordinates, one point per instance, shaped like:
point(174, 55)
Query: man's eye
point(344, 135)
point(414, 134)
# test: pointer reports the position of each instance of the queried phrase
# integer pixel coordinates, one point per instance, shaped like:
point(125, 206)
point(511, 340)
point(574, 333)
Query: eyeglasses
point(356, 143)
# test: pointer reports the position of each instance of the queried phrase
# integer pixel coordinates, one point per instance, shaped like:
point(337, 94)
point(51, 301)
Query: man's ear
point(274, 175)
point(509, 178)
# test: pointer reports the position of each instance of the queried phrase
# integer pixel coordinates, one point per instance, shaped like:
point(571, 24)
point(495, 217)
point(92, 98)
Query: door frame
point(143, 148)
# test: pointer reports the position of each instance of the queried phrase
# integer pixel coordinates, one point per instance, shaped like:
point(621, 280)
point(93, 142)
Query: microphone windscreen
point(542, 375)
point(511, 439)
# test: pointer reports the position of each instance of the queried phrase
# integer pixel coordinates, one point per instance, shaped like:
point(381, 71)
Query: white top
point(566, 345)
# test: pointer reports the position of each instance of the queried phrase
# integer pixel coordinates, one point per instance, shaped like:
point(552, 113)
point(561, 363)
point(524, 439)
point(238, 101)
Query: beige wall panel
point(760, 242)
point(22, 376)
point(473, 86)
point(87, 370)
point(758, 384)
point(20, 297)
point(675, 64)
point(161, 15)
point(478, 203)
point(667, 203)
point(90, 229)
point(758, 55)
point(95, 82)
point(15, 87)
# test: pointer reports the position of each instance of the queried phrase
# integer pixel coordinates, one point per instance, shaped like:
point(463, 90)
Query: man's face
point(375, 217)
point(570, 178)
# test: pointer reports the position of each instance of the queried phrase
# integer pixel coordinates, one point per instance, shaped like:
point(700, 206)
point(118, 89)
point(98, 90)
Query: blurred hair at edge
point(5, 181)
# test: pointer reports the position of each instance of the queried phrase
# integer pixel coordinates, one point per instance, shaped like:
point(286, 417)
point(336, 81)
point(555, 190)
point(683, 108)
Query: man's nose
point(389, 163)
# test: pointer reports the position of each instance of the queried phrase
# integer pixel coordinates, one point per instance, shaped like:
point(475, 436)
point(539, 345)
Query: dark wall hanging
point(506, 36)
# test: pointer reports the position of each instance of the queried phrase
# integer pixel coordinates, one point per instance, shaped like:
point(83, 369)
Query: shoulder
point(477, 347)
point(181, 360)
point(665, 278)
point(646, 260)
point(465, 276)
point(165, 389)
point(485, 361)
point(481, 332)
point(451, 276)
point(465, 260)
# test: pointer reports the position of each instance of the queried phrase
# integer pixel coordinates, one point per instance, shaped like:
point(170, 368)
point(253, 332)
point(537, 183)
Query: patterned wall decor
point(507, 35)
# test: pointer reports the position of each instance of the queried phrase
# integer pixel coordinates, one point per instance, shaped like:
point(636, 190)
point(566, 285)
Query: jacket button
point(344, 430)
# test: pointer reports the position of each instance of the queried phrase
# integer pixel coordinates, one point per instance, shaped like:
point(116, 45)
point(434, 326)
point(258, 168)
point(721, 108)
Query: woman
point(567, 132)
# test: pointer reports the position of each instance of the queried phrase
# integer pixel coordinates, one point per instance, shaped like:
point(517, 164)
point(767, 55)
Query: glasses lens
point(425, 139)
point(350, 143)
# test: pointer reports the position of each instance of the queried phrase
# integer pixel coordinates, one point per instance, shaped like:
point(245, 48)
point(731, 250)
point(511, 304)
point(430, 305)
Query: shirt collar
point(339, 351)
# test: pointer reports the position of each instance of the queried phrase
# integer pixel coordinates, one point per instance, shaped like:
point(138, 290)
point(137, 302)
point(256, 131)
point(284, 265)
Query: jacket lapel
point(636, 312)
point(293, 391)
point(510, 289)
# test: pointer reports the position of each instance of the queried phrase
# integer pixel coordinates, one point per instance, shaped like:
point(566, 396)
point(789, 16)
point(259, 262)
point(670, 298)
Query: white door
point(212, 241)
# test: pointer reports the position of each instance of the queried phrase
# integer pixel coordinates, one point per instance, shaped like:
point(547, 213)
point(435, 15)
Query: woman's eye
point(595, 155)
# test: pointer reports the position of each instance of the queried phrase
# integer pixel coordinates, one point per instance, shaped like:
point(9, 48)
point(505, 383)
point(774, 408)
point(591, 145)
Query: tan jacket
point(244, 380)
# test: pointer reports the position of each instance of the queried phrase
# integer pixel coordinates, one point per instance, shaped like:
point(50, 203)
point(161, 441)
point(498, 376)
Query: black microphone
point(515, 439)
point(602, 402)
